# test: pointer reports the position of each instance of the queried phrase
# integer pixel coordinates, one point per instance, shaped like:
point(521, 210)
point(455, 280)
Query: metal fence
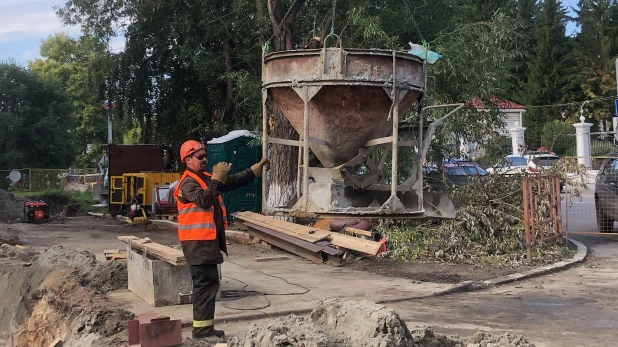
point(33, 180)
point(542, 210)
point(590, 196)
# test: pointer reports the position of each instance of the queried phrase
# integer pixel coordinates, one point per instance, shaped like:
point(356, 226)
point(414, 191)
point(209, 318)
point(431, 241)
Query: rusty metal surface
point(542, 210)
point(346, 109)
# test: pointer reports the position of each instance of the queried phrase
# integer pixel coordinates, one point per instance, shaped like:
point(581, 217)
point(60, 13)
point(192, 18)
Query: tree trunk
point(283, 159)
point(228, 110)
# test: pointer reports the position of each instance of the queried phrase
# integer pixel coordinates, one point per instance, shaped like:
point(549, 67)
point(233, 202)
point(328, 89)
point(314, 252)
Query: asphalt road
point(574, 307)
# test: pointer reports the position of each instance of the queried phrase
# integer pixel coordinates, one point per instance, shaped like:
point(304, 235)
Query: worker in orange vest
point(201, 227)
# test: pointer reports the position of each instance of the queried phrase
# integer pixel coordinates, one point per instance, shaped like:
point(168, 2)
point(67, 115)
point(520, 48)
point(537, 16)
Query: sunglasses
point(199, 157)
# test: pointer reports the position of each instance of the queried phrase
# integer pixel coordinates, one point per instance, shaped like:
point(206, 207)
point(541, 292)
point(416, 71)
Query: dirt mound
point(10, 238)
point(11, 207)
point(338, 323)
point(18, 252)
point(285, 331)
point(485, 339)
point(363, 324)
point(102, 277)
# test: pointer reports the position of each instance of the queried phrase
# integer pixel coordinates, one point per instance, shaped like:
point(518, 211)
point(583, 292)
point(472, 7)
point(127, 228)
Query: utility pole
point(109, 105)
point(615, 118)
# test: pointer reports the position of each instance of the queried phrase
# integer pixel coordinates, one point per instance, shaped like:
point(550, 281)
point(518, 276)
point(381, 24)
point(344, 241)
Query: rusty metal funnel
point(346, 105)
point(349, 95)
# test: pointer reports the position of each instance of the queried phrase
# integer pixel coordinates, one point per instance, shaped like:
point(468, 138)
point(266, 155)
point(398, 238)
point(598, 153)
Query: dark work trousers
point(205, 286)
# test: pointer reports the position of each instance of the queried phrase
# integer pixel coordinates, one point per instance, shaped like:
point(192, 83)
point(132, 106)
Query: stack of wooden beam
point(321, 246)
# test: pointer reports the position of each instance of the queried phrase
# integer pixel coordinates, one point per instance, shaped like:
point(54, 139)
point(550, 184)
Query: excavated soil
point(339, 323)
point(59, 294)
point(11, 207)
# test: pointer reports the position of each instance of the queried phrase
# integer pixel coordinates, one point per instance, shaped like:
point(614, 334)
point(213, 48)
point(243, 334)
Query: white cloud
point(21, 20)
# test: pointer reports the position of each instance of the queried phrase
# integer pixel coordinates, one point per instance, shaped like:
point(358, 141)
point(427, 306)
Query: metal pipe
point(395, 144)
point(306, 149)
point(442, 106)
point(298, 173)
point(264, 148)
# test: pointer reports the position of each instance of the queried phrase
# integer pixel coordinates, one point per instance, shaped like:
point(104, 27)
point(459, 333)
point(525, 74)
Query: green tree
point(80, 67)
point(36, 129)
point(597, 47)
point(548, 70)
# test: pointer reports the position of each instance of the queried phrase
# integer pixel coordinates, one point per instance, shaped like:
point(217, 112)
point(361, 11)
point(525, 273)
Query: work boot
point(208, 332)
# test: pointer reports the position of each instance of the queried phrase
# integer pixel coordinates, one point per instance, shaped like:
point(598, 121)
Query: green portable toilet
point(234, 148)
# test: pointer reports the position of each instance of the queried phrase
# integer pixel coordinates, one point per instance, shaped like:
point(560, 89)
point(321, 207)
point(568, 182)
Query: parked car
point(606, 194)
point(511, 165)
point(459, 173)
point(541, 161)
point(531, 163)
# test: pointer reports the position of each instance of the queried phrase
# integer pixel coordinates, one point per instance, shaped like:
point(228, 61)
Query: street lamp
point(109, 107)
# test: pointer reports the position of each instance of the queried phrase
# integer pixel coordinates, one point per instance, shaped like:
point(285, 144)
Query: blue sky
point(24, 23)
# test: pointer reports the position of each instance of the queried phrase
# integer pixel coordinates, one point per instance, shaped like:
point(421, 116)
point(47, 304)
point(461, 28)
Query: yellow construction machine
point(143, 194)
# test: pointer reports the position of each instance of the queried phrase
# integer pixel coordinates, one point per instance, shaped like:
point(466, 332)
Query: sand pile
point(102, 277)
point(338, 323)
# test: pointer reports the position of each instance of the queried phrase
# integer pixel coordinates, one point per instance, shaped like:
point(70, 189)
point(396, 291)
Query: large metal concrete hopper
point(346, 105)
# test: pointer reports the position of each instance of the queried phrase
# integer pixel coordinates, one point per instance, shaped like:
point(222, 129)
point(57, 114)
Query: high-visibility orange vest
point(194, 222)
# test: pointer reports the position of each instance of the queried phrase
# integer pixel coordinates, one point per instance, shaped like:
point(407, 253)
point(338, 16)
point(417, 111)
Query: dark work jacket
point(202, 251)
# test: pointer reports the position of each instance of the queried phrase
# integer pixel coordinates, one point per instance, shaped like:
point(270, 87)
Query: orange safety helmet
point(189, 147)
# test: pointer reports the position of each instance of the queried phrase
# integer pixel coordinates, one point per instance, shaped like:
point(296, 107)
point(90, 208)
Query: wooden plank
point(302, 232)
point(111, 251)
point(114, 256)
point(355, 244)
point(291, 244)
point(358, 231)
point(168, 254)
point(270, 258)
point(308, 233)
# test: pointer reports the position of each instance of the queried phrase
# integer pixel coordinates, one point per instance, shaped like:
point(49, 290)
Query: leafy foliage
point(80, 67)
point(36, 126)
point(488, 228)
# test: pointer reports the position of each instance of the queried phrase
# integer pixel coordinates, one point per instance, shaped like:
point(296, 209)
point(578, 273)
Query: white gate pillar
point(518, 140)
point(582, 134)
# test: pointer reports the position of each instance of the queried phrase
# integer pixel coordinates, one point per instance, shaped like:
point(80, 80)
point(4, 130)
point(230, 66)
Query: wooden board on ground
point(168, 254)
point(310, 234)
point(270, 258)
point(349, 230)
point(302, 232)
point(115, 256)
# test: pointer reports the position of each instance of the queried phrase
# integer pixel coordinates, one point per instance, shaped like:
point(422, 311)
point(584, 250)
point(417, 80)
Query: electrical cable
point(237, 294)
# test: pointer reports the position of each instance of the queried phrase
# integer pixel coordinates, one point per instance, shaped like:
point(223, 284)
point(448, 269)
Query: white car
point(513, 164)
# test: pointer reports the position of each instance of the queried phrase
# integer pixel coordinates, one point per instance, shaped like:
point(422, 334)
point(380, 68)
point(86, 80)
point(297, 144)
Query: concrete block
point(156, 281)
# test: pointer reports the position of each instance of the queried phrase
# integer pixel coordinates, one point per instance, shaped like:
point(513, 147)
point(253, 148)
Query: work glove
point(220, 170)
point(257, 167)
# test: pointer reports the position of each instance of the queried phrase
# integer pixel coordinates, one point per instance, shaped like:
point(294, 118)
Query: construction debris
point(270, 258)
point(310, 242)
point(148, 330)
point(336, 322)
